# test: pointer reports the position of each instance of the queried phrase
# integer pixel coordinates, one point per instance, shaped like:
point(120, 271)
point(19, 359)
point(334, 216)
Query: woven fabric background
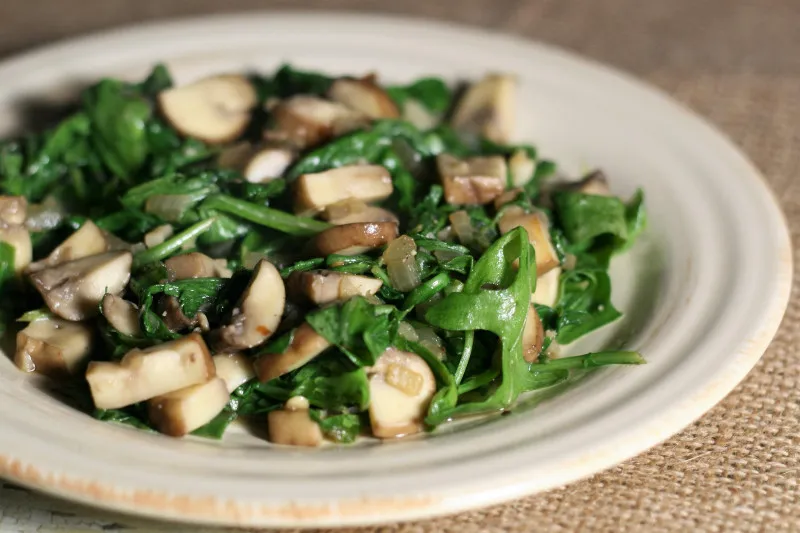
point(736, 62)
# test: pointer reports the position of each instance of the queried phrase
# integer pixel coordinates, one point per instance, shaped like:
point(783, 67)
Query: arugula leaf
point(216, 427)
point(119, 118)
point(332, 382)
point(584, 303)
point(356, 328)
point(586, 216)
point(289, 81)
point(432, 93)
point(342, 429)
point(134, 416)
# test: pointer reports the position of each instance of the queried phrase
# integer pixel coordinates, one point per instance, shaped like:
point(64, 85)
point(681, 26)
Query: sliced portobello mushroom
point(18, 238)
point(354, 239)
point(305, 121)
point(537, 227)
point(235, 368)
point(365, 96)
point(74, 289)
point(352, 210)
point(487, 108)
point(326, 286)
point(143, 374)
point(306, 344)
point(182, 411)
point(88, 240)
point(53, 347)
point(532, 335)
point(215, 109)
point(401, 387)
point(293, 426)
point(368, 183)
point(257, 315)
point(546, 292)
point(121, 314)
point(471, 181)
point(13, 210)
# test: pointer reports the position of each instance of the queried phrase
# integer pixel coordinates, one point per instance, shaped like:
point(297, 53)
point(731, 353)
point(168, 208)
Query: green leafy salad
point(328, 257)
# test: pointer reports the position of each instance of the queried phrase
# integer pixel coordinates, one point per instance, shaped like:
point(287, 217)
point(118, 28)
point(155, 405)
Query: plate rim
point(368, 510)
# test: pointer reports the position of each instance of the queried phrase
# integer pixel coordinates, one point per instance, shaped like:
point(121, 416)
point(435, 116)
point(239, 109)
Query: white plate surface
point(704, 289)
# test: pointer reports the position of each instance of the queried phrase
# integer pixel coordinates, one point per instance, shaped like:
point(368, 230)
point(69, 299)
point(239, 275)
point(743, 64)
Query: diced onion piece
point(462, 227)
point(400, 258)
point(169, 207)
point(407, 331)
point(430, 340)
point(158, 235)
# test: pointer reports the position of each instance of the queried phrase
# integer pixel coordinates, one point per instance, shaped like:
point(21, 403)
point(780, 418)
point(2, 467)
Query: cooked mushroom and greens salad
point(326, 256)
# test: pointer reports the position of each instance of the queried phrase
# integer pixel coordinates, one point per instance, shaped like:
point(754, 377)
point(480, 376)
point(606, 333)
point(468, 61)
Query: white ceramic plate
point(704, 289)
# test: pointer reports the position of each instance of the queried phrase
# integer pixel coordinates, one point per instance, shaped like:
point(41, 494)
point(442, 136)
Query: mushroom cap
point(401, 387)
point(315, 191)
point(537, 227)
point(352, 210)
point(471, 181)
point(215, 110)
point(305, 121)
point(121, 314)
point(235, 368)
point(182, 411)
point(53, 347)
point(546, 292)
point(532, 335)
point(365, 96)
point(13, 210)
point(146, 373)
point(354, 239)
point(306, 344)
point(257, 315)
point(86, 241)
point(189, 266)
point(326, 286)
point(74, 289)
point(488, 108)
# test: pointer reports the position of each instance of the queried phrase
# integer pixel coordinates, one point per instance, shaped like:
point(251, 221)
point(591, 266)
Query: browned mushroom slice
point(305, 121)
point(351, 211)
point(293, 426)
point(258, 313)
point(306, 344)
point(487, 108)
point(13, 210)
point(121, 314)
point(88, 240)
point(354, 239)
point(401, 387)
point(537, 227)
point(325, 286)
point(73, 290)
point(532, 335)
point(475, 180)
point(53, 347)
point(215, 109)
point(521, 168)
point(365, 96)
point(191, 265)
point(235, 368)
point(18, 238)
point(182, 411)
point(258, 164)
point(595, 183)
point(368, 183)
point(146, 373)
point(546, 292)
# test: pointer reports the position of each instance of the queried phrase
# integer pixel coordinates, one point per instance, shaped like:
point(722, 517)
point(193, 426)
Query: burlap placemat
point(735, 61)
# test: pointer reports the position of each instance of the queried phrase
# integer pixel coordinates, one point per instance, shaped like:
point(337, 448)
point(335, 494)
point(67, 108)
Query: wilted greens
point(357, 258)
